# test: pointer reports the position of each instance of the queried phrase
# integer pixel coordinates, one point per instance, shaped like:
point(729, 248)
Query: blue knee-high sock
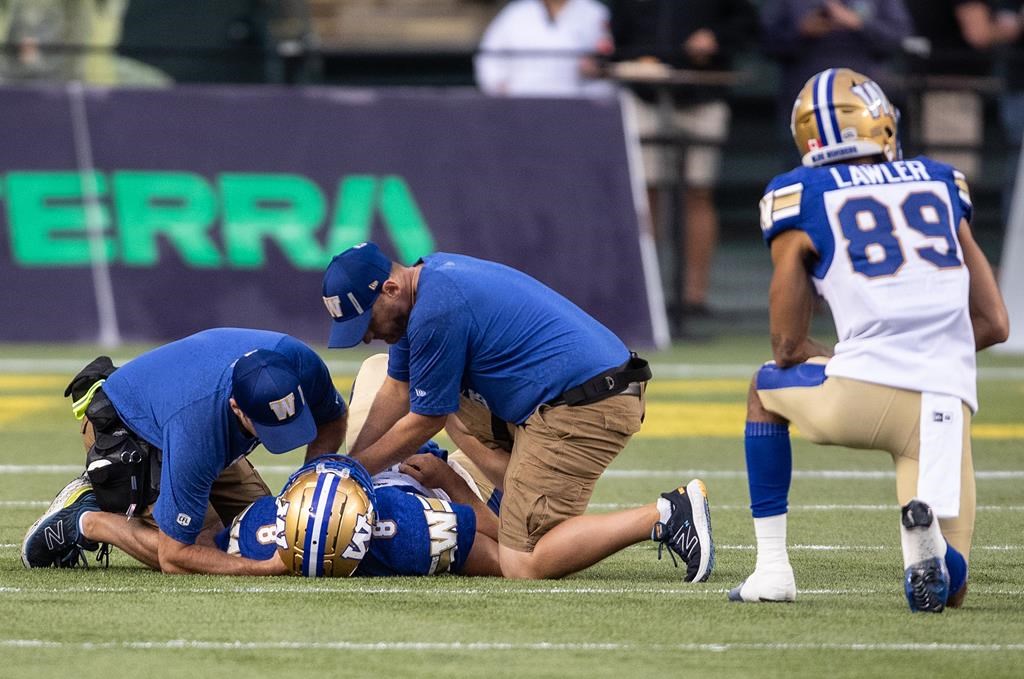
point(956, 564)
point(769, 467)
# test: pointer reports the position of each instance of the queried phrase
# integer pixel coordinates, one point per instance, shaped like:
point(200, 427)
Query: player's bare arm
point(791, 300)
point(433, 472)
point(179, 558)
point(389, 405)
point(400, 441)
point(988, 310)
point(329, 437)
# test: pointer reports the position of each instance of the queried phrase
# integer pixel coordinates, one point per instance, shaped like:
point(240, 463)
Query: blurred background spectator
point(961, 72)
point(701, 35)
point(1010, 22)
point(545, 48)
point(953, 52)
point(69, 40)
point(808, 36)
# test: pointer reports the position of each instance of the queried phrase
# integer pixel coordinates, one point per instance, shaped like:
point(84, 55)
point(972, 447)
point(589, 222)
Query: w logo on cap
point(283, 408)
point(333, 305)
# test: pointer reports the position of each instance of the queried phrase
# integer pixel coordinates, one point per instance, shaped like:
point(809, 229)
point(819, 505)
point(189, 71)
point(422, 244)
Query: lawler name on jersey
point(883, 173)
point(782, 202)
point(889, 265)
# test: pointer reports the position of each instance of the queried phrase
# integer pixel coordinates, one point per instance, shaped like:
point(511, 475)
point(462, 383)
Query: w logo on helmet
point(283, 408)
point(360, 542)
point(873, 97)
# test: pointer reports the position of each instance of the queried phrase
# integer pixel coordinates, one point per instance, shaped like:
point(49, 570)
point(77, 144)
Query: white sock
point(920, 544)
point(664, 510)
point(771, 542)
point(80, 531)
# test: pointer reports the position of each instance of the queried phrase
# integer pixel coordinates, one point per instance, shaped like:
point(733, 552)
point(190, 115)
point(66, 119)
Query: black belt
point(618, 380)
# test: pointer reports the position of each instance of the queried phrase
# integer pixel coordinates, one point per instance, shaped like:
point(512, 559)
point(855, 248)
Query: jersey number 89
point(877, 251)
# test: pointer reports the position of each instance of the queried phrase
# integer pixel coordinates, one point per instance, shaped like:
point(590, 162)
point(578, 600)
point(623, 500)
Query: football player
point(398, 526)
point(888, 244)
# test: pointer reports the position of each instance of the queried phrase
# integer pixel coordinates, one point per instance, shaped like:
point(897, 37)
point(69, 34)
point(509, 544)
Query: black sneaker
point(926, 580)
point(54, 539)
point(688, 530)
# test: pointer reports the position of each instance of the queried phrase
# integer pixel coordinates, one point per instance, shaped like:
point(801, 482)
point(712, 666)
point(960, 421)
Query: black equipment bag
point(124, 469)
point(100, 368)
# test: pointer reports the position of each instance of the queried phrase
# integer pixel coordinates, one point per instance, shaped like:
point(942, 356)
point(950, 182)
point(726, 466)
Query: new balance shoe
point(686, 529)
point(766, 584)
point(925, 578)
point(54, 539)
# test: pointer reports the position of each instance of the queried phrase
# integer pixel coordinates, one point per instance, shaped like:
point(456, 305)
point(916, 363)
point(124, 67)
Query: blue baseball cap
point(268, 390)
point(352, 283)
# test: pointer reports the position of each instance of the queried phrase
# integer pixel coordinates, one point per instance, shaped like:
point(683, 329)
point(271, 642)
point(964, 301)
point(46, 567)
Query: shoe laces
point(73, 559)
point(103, 555)
point(663, 542)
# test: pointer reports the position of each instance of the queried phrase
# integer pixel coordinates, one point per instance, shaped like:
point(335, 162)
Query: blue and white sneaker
point(54, 539)
point(687, 531)
point(925, 579)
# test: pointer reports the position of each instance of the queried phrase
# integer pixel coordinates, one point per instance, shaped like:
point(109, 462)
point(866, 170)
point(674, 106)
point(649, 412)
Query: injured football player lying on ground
point(332, 520)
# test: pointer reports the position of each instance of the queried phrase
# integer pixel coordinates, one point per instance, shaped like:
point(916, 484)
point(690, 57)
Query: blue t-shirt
point(176, 398)
point(498, 333)
point(412, 534)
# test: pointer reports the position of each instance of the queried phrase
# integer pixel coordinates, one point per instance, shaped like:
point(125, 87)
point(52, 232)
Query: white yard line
point(628, 505)
point(37, 366)
point(840, 474)
point(321, 586)
point(487, 646)
point(801, 548)
point(810, 508)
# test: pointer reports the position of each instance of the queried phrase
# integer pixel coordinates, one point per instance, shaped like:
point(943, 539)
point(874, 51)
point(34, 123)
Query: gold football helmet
point(841, 114)
point(325, 520)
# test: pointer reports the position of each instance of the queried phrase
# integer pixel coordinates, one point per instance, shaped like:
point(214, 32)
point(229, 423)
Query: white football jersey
point(891, 268)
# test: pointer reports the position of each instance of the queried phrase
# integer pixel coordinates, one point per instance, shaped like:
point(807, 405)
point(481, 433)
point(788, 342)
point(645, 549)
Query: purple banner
point(220, 206)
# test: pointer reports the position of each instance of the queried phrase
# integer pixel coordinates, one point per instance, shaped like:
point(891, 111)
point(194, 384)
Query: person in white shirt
point(545, 48)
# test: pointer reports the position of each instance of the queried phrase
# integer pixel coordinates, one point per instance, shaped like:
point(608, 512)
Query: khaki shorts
point(558, 456)
point(705, 122)
point(855, 414)
point(369, 379)
point(485, 427)
point(238, 486)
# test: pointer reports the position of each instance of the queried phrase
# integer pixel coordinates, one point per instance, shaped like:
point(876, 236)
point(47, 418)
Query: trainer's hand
point(428, 469)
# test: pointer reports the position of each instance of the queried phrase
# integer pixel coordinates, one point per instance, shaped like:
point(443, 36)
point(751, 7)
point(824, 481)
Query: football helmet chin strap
point(837, 153)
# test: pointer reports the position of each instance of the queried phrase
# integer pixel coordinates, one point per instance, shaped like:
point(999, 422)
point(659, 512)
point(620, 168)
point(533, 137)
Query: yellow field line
point(54, 383)
point(14, 408)
point(664, 419)
point(697, 387)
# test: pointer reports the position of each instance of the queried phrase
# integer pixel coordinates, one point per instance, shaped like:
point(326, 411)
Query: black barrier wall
point(221, 206)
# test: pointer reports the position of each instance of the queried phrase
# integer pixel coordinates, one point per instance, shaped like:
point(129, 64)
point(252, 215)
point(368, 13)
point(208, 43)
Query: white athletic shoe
point(766, 584)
